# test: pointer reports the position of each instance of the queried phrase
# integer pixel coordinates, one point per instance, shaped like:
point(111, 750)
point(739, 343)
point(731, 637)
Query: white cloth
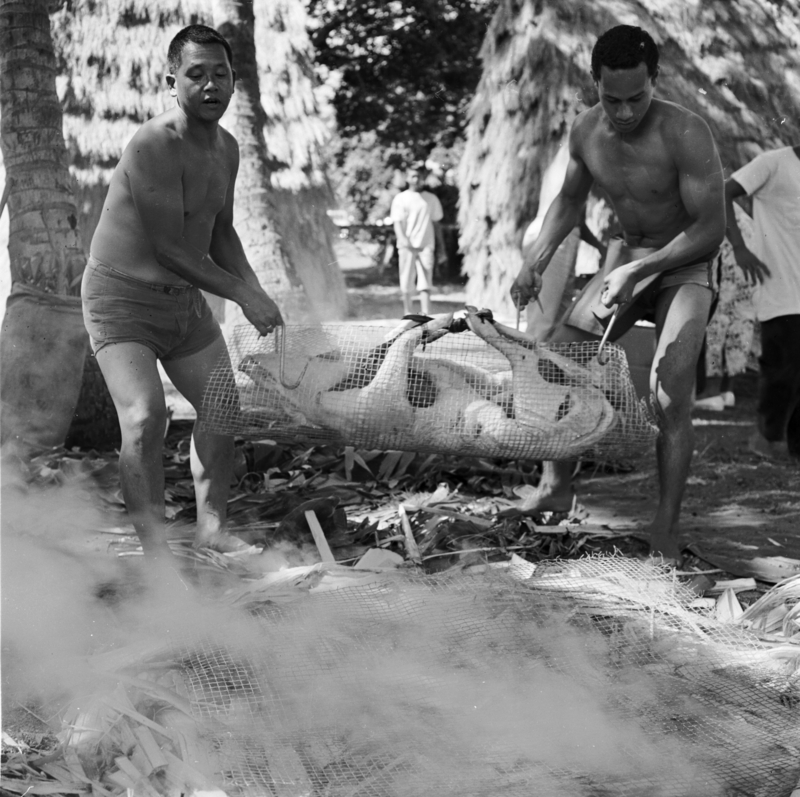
point(416, 211)
point(773, 180)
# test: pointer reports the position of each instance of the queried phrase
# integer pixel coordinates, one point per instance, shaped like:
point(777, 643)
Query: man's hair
point(625, 47)
point(196, 34)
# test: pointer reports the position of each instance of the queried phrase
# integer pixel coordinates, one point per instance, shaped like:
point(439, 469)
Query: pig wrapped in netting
point(467, 386)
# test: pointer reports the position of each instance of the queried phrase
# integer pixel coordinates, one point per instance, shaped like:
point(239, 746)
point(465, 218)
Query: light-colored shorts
point(416, 269)
point(588, 313)
point(174, 321)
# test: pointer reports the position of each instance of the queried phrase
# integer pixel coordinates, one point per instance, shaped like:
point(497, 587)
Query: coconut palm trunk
point(43, 341)
point(254, 202)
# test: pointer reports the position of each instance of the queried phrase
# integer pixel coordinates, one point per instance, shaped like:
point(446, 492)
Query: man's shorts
point(174, 321)
point(416, 268)
point(588, 313)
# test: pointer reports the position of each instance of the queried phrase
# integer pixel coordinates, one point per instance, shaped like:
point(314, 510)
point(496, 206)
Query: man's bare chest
point(205, 186)
point(642, 171)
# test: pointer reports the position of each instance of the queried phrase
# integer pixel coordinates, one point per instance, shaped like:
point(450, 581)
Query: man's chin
point(213, 108)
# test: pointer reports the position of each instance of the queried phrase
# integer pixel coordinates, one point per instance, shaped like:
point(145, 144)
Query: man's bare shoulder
point(680, 125)
point(585, 124)
point(158, 138)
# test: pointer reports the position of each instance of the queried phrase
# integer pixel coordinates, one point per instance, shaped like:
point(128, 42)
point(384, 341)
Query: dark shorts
point(174, 321)
point(588, 313)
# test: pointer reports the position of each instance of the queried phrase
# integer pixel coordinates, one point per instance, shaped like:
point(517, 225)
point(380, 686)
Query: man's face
point(415, 179)
point(204, 81)
point(625, 95)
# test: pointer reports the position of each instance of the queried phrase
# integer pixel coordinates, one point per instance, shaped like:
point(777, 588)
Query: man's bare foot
point(543, 498)
point(776, 450)
point(223, 542)
point(664, 547)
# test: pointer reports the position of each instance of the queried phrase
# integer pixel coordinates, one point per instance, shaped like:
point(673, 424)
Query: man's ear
point(233, 72)
point(655, 75)
point(171, 83)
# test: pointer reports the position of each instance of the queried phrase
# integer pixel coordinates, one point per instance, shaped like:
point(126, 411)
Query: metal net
point(581, 679)
point(483, 390)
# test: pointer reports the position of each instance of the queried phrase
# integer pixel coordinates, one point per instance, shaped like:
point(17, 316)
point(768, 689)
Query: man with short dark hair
point(166, 232)
point(658, 166)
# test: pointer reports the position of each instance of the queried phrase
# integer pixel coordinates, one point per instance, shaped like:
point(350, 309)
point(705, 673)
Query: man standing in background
point(416, 214)
point(772, 179)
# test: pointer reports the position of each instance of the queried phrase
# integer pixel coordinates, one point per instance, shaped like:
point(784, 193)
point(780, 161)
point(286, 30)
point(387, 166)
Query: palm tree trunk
point(44, 242)
point(43, 342)
point(255, 197)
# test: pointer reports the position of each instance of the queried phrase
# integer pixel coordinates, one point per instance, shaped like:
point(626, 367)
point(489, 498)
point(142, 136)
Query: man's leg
point(408, 272)
point(681, 317)
point(425, 301)
point(778, 385)
point(424, 282)
point(131, 373)
point(211, 454)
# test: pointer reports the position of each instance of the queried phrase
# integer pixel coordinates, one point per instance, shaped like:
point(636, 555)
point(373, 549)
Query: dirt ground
point(741, 515)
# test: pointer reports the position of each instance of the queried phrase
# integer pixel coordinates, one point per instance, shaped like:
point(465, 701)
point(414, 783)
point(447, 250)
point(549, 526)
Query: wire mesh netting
point(482, 390)
point(587, 678)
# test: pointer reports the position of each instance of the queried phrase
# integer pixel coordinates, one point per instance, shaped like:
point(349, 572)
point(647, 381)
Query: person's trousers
point(779, 381)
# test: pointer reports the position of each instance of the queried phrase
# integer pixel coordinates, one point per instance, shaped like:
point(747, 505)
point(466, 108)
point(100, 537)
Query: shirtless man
point(166, 232)
point(658, 166)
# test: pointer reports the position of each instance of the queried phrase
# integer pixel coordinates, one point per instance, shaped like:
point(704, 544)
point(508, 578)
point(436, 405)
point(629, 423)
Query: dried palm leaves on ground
point(580, 678)
point(460, 509)
point(624, 650)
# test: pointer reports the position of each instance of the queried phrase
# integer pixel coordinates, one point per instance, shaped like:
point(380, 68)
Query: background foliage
point(402, 74)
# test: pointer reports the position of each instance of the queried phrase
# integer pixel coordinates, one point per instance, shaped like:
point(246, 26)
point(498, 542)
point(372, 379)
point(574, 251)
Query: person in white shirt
point(772, 179)
point(416, 214)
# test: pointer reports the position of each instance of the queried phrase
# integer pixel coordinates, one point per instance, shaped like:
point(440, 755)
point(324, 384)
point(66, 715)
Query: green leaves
point(407, 68)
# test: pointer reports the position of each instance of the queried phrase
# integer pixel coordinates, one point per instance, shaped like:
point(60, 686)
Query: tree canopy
point(406, 68)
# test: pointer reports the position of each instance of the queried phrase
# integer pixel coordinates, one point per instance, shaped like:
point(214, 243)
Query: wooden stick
point(319, 536)
point(481, 523)
point(150, 747)
point(412, 549)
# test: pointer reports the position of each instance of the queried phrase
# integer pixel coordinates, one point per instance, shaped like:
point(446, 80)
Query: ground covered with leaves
point(431, 514)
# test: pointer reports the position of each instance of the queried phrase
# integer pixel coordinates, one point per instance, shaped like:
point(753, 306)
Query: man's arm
point(561, 217)
point(154, 173)
point(440, 244)
point(399, 223)
point(225, 248)
point(402, 239)
point(700, 184)
point(227, 251)
point(754, 270)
